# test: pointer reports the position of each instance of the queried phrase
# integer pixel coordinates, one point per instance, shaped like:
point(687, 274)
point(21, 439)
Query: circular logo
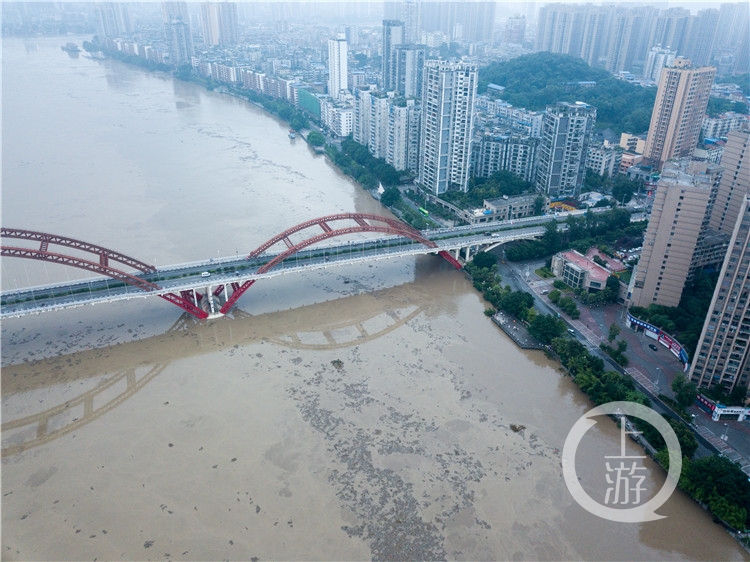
point(622, 477)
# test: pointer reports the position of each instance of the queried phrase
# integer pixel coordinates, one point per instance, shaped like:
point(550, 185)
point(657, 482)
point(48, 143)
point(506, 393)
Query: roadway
point(212, 273)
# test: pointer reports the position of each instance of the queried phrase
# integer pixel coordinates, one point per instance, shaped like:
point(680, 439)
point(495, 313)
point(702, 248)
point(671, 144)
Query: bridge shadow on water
point(106, 377)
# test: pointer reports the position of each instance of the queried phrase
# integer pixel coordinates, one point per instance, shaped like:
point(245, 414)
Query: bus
point(424, 211)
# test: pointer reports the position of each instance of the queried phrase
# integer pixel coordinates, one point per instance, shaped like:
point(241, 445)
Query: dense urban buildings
point(618, 37)
point(447, 119)
point(566, 134)
point(680, 106)
point(722, 355)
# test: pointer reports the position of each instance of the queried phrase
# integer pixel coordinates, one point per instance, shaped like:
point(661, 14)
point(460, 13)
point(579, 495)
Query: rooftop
point(596, 272)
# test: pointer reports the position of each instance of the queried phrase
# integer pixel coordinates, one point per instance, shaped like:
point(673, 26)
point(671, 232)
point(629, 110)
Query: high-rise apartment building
point(629, 35)
point(377, 141)
point(735, 181)
point(671, 29)
point(219, 23)
point(656, 60)
point(338, 52)
point(393, 35)
point(412, 18)
point(515, 30)
point(566, 134)
point(403, 134)
point(517, 155)
point(699, 42)
point(723, 351)
point(180, 42)
point(447, 117)
point(177, 33)
point(678, 238)
point(680, 105)
point(407, 70)
point(113, 19)
point(171, 11)
point(466, 21)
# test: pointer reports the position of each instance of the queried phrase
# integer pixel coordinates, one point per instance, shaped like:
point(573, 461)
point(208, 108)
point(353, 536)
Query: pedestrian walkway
point(643, 380)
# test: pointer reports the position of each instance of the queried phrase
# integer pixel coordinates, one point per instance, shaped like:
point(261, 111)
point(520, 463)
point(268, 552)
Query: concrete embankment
point(516, 331)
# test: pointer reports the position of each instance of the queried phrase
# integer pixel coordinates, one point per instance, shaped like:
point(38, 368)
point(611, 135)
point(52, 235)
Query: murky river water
point(357, 413)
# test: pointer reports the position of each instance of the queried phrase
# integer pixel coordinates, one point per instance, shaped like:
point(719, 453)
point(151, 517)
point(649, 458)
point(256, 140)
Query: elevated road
point(207, 285)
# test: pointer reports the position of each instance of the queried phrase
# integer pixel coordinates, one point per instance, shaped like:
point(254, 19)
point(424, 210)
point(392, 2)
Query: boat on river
point(71, 47)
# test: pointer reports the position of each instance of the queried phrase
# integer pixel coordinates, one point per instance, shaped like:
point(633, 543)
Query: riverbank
point(516, 331)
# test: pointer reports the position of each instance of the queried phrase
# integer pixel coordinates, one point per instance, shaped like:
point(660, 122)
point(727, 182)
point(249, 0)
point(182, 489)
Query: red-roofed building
point(577, 271)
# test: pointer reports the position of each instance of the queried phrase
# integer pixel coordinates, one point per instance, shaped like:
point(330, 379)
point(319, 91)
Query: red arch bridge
point(226, 280)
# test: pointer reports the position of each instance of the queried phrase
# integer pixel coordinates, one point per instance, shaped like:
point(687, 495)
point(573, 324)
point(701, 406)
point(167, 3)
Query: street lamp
point(656, 380)
point(724, 435)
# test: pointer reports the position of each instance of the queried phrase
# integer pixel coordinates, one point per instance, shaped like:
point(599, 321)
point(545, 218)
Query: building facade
point(657, 59)
point(517, 155)
point(680, 106)
point(566, 134)
point(720, 126)
point(403, 134)
point(179, 39)
point(735, 181)
point(678, 238)
point(338, 73)
point(447, 119)
point(393, 35)
point(722, 357)
point(407, 68)
point(604, 160)
point(219, 23)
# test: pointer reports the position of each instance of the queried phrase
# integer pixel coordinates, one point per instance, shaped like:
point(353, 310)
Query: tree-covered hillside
point(539, 79)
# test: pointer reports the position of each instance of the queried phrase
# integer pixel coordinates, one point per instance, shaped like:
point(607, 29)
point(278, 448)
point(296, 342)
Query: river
point(356, 413)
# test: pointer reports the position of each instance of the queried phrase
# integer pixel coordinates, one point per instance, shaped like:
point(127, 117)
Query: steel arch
point(104, 254)
point(100, 266)
point(387, 226)
point(360, 218)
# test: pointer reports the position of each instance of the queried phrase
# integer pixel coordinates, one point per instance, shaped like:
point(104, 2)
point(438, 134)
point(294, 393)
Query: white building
point(657, 59)
point(377, 141)
point(716, 127)
point(338, 117)
point(501, 152)
point(604, 159)
point(447, 119)
point(403, 134)
point(338, 74)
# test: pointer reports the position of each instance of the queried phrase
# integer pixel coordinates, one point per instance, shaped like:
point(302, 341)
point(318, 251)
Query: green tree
point(484, 260)
point(315, 138)
point(516, 303)
point(390, 196)
point(684, 390)
point(545, 328)
point(614, 331)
